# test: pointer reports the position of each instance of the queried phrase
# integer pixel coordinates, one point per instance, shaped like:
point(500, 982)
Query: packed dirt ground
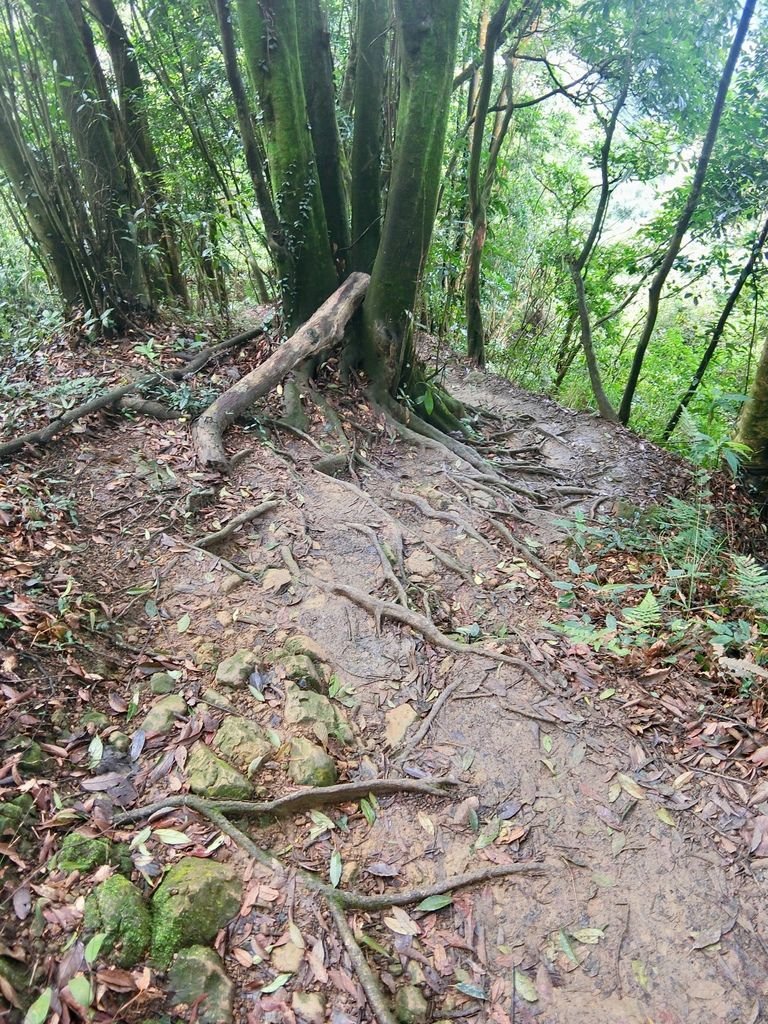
point(611, 808)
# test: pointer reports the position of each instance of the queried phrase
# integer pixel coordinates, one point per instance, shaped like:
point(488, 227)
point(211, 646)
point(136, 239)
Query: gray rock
point(163, 714)
point(217, 699)
point(243, 743)
point(309, 1006)
point(302, 670)
point(196, 898)
point(198, 974)
point(309, 765)
point(235, 671)
point(209, 776)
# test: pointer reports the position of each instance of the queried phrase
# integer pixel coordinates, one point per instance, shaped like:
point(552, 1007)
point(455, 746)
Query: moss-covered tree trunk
point(367, 140)
point(117, 253)
point(302, 250)
point(427, 35)
point(753, 425)
point(317, 75)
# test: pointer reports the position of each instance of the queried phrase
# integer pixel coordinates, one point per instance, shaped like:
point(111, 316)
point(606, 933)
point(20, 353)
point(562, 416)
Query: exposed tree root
point(447, 517)
point(339, 900)
point(522, 549)
point(109, 399)
point(385, 563)
point(211, 539)
point(321, 332)
point(146, 407)
point(303, 800)
point(421, 624)
point(404, 750)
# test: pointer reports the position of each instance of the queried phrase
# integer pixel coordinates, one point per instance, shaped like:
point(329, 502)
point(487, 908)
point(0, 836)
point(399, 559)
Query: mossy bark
point(302, 250)
point(370, 52)
point(753, 425)
point(427, 34)
point(317, 76)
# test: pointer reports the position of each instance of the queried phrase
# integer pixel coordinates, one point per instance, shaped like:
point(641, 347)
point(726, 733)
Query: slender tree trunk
point(427, 36)
point(719, 329)
point(604, 406)
point(694, 194)
point(368, 132)
point(317, 75)
point(118, 252)
point(251, 148)
point(131, 94)
point(302, 250)
point(753, 425)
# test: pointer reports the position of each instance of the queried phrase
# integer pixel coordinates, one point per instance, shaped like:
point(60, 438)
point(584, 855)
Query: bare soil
point(652, 905)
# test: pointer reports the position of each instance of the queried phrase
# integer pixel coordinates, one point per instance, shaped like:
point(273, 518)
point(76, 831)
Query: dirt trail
point(640, 916)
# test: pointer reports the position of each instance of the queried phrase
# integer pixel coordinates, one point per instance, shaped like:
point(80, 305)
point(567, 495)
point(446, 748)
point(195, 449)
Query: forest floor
point(631, 784)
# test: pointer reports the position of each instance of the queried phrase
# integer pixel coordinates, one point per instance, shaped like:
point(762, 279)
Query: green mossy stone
point(117, 908)
point(198, 976)
point(243, 743)
point(17, 977)
point(162, 683)
point(302, 670)
point(95, 718)
point(83, 853)
point(32, 760)
point(309, 765)
point(15, 812)
point(207, 655)
point(208, 775)
point(305, 707)
point(195, 899)
point(121, 741)
point(235, 671)
point(410, 1005)
point(162, 716)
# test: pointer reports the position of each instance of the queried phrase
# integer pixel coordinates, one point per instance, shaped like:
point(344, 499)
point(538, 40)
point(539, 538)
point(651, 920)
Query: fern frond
point(750, 581)
point(646, 615)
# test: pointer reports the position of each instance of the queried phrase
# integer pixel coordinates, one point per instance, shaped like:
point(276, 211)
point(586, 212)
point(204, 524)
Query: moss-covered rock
point(302, 670)
point(194, 900)
point(116, 908)
point(309, 1006)
point(410, 1005)
point(243, 743)
point(162, 683)
point(207, 655)
point(163, 714)
point(198, 976)
point(121, 741)
point(95, 718)
point(17, 976)
point(208, 775)
point(309, 765)
point(234, 671)
point(32, 760)
point(83, 853)
point(305, 707)
point(14, 813)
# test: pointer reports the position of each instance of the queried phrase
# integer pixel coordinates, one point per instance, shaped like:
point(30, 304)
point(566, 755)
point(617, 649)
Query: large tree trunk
point(427, 35)
point(367, 140)
point(694, 194)
point(321, 332)
point(317, 75)
point(302, 250)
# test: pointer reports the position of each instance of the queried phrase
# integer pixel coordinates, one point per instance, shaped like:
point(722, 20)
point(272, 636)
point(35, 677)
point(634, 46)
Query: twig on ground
point(428, 722)
point(371, 985)
point(210, 539)
point(522, 549)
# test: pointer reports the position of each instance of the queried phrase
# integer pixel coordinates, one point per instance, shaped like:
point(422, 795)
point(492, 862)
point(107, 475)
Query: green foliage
point(750, 583)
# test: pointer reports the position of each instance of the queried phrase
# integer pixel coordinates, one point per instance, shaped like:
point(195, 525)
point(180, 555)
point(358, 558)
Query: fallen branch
point(370, 983)
point(385, 563)
point(112, 397)
point(303, 800)
point(322, 331)
point(210, 539)
point(428, 722)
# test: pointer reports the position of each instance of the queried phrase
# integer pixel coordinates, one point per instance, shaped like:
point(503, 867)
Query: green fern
point(645, 616)
point(750, 580)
